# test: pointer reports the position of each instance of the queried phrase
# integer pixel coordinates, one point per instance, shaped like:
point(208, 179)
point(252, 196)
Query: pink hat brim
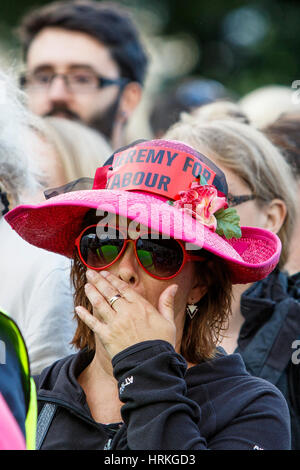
point(55, 224)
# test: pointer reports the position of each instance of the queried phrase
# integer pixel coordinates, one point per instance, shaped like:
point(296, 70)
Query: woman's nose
point(127, 267)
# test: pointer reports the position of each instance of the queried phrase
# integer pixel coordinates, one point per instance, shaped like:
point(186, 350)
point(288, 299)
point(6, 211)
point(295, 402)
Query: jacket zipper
point(63, 404)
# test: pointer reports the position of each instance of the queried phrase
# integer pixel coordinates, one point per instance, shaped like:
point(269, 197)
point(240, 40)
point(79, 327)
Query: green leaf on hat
point(203, 180)
point(228, 223)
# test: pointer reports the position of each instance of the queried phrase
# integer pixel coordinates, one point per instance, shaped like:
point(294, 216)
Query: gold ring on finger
point(113, 299)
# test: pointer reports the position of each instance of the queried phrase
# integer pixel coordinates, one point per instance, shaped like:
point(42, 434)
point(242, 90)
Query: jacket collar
point(272, 310)
point(258, 302)
point(59, 383)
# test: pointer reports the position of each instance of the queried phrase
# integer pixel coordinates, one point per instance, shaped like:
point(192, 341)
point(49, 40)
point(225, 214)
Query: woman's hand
point(131, 319)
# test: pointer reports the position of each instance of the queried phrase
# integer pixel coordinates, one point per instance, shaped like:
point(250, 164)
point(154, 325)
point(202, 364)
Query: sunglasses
point(161, 258)
point(237, 200)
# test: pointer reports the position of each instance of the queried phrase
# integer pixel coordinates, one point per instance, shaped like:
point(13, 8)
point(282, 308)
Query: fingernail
point(92, 275)
point(174, 290)
point(104, 273)
point(78, 310)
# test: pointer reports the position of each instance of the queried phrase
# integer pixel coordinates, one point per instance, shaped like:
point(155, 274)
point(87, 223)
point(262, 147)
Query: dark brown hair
point(200, 335)
point(107, 22)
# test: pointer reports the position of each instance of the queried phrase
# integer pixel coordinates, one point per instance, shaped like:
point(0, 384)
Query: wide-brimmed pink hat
point(166, 186)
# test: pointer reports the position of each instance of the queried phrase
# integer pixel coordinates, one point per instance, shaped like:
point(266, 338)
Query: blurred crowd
point(84, 72)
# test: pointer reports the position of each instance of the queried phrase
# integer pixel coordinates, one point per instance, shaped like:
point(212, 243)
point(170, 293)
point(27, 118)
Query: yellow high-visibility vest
point(12, 331)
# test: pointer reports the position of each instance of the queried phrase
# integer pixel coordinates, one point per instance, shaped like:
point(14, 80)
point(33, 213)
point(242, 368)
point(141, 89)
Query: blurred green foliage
point(243, 44)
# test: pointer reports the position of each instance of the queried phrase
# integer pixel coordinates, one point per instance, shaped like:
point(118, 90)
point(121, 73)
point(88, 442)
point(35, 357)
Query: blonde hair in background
point(19, 176)
point(265, 104)
point(247, 152)
point(81, 150)
point(216, 111)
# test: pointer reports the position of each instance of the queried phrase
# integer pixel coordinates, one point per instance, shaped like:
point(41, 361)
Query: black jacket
point(213, 405)
point(270, 335)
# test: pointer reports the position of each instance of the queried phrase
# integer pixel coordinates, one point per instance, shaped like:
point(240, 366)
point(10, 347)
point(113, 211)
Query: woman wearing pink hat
point(156, 251)
point(264, 327)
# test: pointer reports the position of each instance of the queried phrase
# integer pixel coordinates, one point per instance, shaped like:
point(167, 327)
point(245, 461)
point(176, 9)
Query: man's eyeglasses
point(77, 81)
point(236, 200)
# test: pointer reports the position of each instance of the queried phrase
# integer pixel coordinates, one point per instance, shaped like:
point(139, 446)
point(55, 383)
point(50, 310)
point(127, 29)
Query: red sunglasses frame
point(186, 256)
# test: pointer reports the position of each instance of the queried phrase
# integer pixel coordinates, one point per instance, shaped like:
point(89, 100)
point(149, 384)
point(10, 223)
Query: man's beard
point(102, 122)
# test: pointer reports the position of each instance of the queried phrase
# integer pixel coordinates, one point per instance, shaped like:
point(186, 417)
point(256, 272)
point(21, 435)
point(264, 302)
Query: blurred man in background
point(184, 96)
point(84, 61)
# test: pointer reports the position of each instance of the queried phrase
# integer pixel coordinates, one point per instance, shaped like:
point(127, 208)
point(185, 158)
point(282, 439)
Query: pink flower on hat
point(202, 202)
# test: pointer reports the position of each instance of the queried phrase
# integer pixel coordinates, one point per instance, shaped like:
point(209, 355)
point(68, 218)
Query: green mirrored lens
point(146, 259)
point(107, 253)
point(162, 257)
point(99, 252)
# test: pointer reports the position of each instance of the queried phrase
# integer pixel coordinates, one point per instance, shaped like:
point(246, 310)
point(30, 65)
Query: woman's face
point(189, 290)
point(250, 213)
point(128, 269)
